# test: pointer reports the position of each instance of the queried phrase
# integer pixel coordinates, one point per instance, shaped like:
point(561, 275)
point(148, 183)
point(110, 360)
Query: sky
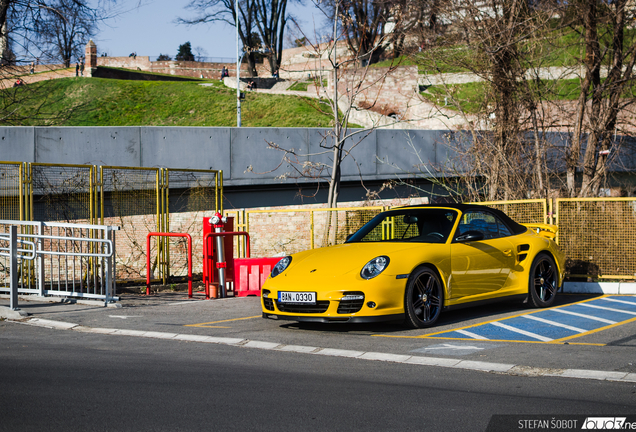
point(150, 30)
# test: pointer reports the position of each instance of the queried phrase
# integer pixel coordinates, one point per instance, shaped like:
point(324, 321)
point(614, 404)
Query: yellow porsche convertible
point(411, 263)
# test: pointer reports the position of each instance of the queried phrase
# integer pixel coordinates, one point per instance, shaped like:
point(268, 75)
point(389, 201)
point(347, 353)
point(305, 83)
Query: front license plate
point(297, 297)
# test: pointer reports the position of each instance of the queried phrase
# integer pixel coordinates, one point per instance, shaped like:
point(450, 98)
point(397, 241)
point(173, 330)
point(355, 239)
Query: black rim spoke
point(426, 287)
point(417, 303)
point(544, 283)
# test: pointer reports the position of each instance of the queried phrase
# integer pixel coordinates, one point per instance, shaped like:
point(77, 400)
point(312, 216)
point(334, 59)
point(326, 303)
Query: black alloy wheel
point(543, 283)
point(423, 298)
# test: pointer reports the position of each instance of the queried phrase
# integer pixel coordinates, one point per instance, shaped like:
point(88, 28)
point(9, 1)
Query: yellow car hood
point(348, 258)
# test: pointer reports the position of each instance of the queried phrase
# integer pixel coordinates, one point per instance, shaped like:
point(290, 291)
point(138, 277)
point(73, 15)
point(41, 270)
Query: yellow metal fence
point(597, 235)
point(287, 231)
point(138, 200)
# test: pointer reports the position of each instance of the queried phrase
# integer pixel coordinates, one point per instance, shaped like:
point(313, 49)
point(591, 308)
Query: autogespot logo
point(605, 423)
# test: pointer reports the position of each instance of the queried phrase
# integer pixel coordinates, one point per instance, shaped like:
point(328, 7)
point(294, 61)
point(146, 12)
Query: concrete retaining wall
point(242, 153)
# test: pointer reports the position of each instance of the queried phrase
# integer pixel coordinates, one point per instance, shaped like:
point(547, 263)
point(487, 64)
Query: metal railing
point(70, 260)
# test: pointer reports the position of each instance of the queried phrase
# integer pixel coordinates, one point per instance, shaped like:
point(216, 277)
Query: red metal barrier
point(158, 234)
point(251, 273)
point(206, 237)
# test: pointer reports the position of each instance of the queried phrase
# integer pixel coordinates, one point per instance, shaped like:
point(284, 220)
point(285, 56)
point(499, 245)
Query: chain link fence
point(139, 200)
point(523, 211)
point(60, 193)
point(131, 198)
point(598, 236)
point(11, 190)
point(192, 194)
point(279, 232)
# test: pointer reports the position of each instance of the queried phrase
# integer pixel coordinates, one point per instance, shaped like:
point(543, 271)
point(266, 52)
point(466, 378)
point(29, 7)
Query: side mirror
point(470, 236)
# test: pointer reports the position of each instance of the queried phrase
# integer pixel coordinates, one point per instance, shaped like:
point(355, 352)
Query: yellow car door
point(482, 256)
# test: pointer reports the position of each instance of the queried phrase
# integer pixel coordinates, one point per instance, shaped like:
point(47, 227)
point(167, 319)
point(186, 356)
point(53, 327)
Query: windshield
point(412, 225)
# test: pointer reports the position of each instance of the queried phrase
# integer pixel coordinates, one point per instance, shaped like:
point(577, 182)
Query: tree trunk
point(4, 33)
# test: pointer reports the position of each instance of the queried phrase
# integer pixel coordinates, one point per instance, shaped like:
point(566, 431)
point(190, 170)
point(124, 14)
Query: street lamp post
point(238, 78)
point(238, 68)
point(238, 89)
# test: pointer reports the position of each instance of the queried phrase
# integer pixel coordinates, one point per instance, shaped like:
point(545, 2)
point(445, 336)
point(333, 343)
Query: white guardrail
point(57, 259)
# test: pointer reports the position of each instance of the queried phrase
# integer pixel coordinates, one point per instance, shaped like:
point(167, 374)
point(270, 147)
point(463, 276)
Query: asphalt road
point(167, 363)
point(68, 381)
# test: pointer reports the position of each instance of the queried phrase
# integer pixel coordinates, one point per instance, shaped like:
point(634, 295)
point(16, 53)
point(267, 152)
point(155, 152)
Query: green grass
point(563, 47)
point(471, 96)
point(108, 102)
point(429, 62)
point(300, 86)
point(303, 85)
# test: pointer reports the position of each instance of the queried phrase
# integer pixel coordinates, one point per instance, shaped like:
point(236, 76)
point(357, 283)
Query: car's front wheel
point(423, 298)
point(543, 281)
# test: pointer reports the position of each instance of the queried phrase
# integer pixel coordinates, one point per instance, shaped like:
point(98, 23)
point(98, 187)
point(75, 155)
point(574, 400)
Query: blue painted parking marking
point(551, 325)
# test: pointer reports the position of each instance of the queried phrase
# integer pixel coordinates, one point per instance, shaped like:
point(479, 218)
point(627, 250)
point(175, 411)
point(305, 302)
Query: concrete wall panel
point(186, 147)
point(362, 148)
point(88, 145)
point(17, 144)
point(250, 149)
point(422, 152)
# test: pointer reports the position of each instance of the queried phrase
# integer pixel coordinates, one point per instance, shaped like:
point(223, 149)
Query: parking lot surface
point(579, 333)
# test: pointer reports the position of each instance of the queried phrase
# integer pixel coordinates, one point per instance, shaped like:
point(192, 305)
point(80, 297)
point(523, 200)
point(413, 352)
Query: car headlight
point(281, 266)
point(374, 267)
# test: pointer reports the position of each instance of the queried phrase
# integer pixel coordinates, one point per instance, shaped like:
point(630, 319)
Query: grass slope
point(108, 102)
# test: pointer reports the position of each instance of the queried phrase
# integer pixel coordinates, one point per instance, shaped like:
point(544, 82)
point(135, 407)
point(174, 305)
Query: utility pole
point(238, 68)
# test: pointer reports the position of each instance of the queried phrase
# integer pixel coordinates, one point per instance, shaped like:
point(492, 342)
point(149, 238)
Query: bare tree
point(261, 25)
point(348, 82)
point(22, 22)
point(208, 11)
point(510, 47)
point(271, 23)
point(65, 29)
point(602, 29)
point(21, 43)
point(362, 24)
point(404, 18)
point(499, 31)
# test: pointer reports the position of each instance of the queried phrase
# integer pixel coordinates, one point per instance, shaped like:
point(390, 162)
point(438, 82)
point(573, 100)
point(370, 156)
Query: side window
point(503, 229)
point(483, 222)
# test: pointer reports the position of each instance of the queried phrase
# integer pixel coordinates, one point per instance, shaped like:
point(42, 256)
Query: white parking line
point(509, 369)
point(471, 334)
point(554, 323)
point(585, 316)
point(523, 332)
point(619, 301)
point(609, 309)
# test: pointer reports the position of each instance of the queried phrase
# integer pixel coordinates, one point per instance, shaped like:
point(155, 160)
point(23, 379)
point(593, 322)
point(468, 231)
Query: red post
point(158, 234)
point(205, 252)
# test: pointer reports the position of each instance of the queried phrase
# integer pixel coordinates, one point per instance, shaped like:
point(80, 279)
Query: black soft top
point(514, 226)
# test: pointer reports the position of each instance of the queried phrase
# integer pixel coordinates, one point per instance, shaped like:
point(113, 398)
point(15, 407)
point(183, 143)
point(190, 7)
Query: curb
point(37, 298)
point(624, 288)
point(472, 365)
point(8, 313)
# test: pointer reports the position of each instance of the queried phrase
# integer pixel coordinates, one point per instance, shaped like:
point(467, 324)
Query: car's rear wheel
point(543, 282)
point(423, 298)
